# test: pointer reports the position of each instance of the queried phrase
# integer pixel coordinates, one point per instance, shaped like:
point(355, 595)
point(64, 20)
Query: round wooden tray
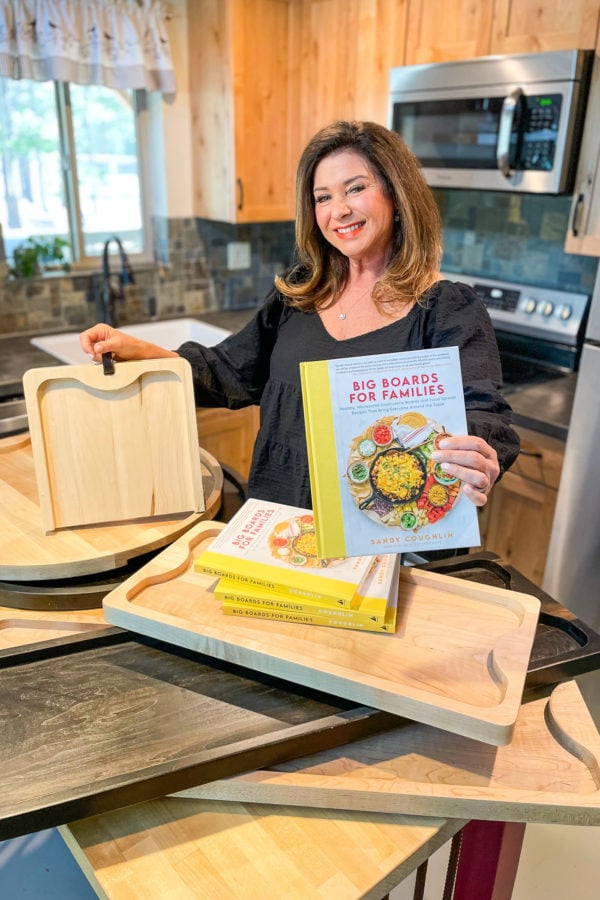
point(28, 554)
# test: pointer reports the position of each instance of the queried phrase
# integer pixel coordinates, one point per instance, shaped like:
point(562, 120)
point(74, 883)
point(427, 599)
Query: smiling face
point(352, 209)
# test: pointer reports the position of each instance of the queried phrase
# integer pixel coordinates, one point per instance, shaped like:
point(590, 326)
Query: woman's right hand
point(102, 338)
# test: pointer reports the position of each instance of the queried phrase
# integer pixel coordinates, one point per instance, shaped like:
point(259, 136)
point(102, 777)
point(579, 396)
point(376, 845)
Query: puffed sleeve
point(459, 318)
point(233, 373)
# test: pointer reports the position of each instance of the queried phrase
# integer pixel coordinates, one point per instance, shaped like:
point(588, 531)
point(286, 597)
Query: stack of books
point(266, 564)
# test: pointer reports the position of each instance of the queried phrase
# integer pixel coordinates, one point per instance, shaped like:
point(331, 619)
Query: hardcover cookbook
point(372, 424)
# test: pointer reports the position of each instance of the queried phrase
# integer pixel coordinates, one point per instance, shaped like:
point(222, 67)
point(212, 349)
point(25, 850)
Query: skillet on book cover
point(392, 477)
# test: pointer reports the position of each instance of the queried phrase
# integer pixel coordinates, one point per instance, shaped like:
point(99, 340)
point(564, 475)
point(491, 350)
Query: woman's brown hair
point(415, 256)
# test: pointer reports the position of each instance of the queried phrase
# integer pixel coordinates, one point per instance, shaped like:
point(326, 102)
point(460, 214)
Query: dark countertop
point(544, 407)
point(17, 355)
point(232, 319)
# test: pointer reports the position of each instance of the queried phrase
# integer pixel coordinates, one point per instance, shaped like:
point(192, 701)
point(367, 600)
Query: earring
point(396, 216)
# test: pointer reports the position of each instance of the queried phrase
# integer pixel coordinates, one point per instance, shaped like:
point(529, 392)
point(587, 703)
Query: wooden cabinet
point(460, 29)
point(529, 26)
point(439, 30)
point(347, 48)
point(229, 435)
point(517, 520)
point(242, 104)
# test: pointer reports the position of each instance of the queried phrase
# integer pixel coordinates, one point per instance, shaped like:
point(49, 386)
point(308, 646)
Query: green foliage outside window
point(35, 255)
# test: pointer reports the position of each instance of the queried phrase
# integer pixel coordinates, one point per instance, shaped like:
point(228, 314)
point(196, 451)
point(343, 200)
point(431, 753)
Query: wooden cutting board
point(458, 658)
point(113, 448)
point(180, 849)
point(27, 553)
point(549, 773)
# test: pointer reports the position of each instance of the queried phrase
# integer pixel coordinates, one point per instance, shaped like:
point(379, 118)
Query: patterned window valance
point(116, 43)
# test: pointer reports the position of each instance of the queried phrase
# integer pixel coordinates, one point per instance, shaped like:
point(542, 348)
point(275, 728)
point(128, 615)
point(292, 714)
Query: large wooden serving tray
point(113, 448)
point(564, 645)
point(27, 553)
point(457, 660)
point(549, 773)
point(101, 721)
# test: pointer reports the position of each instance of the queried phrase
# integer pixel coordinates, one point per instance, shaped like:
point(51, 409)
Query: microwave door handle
point(507, 117)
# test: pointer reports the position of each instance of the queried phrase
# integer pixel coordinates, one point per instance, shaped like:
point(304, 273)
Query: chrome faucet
point(113, 282)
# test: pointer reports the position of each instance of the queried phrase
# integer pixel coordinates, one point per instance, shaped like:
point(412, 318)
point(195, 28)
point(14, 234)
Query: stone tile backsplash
point(190, 275)
point(516, 237)
point(512, 237)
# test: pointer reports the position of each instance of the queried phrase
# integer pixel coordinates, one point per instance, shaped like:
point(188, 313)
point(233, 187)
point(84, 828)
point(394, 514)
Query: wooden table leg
point(488, 860)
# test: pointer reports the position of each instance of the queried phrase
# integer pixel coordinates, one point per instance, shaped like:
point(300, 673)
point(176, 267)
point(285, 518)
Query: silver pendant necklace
point(342, 315)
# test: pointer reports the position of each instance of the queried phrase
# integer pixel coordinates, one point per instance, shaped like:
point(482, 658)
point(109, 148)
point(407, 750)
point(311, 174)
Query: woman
point(369, 245)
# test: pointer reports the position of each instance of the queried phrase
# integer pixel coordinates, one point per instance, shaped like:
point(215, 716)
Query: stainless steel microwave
point(501, 123)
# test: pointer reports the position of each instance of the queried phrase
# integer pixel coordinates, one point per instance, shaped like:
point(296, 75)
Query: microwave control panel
point(541, 117)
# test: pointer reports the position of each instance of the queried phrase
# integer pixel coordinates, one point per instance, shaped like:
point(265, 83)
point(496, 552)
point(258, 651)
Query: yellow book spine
point(324, 476)
point(333, 620)
point(229, 592)
point(372, 606)
point(236, 588)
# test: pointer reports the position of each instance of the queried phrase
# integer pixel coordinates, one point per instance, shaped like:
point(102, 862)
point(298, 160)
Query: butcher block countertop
point(198, 849)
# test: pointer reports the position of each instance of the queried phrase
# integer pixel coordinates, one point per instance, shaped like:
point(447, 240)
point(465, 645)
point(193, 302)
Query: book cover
point(331, 619)
point(372, 423)
point(274, 546)
point(377, 593)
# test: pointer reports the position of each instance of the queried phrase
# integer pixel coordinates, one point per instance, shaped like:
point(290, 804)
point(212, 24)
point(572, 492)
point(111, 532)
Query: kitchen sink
point(169, 333)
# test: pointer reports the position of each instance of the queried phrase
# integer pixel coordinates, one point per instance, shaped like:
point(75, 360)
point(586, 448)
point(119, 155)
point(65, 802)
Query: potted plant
point(35, 255)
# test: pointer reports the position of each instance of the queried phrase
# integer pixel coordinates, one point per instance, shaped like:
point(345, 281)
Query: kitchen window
point(72, 166)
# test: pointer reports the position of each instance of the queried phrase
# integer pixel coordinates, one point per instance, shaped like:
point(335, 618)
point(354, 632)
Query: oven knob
point(545, 307)
point(528, 305)
point(564, 311)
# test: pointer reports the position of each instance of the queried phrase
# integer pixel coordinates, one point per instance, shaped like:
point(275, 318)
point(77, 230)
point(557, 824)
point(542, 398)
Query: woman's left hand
point(472, 460)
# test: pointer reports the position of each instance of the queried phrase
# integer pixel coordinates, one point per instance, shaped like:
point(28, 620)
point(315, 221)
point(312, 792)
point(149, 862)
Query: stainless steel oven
point(540, 332)
point(500, 123)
